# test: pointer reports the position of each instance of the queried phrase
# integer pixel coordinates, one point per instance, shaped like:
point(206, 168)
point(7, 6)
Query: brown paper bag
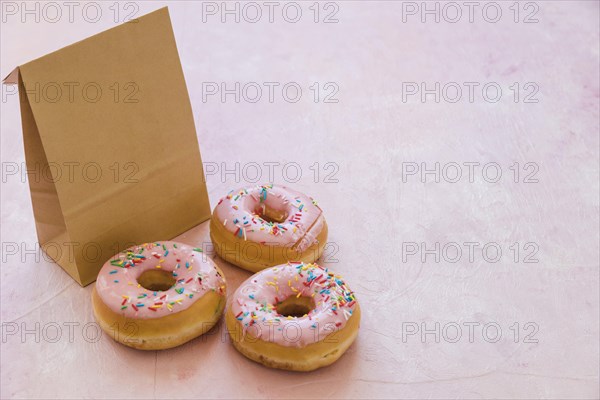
point(110, 144)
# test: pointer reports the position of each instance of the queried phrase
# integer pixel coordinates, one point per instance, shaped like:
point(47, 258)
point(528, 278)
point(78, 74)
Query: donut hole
point(157, 280)
point(270, 214)
point(295, 306)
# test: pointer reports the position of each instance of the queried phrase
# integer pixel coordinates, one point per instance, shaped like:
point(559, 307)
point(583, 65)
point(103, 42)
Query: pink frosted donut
point(262, 226)
point(158, 295)
point(294, 316)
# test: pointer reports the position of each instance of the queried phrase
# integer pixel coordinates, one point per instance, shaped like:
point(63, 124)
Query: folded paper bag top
point(108, 122)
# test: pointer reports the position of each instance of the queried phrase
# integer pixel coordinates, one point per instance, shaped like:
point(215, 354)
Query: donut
point(295, 316)
point(158, 295)
point(263, 226)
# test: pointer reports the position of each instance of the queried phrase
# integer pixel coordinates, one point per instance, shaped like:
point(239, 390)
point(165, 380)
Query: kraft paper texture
point(137, 130)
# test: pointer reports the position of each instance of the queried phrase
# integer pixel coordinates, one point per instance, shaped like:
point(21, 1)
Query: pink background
point(368, 135)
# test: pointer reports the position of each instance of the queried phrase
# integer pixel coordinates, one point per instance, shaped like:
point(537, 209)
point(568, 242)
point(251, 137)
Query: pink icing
point(238, 213)
point(194, 272)
point(254, 304)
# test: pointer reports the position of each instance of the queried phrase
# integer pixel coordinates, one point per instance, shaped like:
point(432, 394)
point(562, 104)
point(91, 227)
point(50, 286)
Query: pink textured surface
point(368, 134)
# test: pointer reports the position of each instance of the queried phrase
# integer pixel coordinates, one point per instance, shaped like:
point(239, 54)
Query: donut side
point(254, 256)
point(307, 358)
point(165, 332)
